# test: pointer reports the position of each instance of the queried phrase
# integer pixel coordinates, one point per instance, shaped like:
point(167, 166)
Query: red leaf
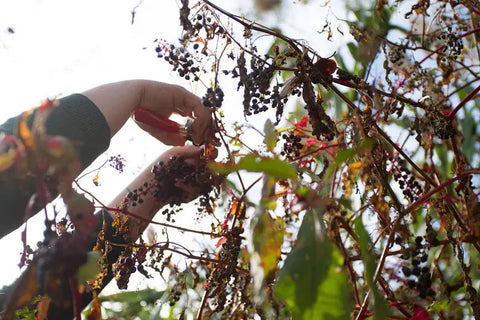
point(47, 104)
point(420, 313)
point(42, 308)
point(302, 123)
point(221, 241)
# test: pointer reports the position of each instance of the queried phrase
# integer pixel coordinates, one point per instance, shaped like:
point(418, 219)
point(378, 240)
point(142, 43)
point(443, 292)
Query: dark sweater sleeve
point(75, 118)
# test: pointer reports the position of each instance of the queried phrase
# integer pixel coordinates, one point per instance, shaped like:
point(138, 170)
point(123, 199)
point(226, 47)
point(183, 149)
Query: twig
point(202, 305)
point(131, 214)
point(462, 103)
point(427, 195)
point(77, 305)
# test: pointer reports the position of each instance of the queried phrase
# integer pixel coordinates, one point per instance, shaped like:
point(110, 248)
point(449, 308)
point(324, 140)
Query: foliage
point(368, 207)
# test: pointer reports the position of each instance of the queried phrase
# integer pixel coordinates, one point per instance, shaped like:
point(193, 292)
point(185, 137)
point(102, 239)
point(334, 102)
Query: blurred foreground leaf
point(267, 240)
point(312, 281)
point(273, 167)
point(365, 247)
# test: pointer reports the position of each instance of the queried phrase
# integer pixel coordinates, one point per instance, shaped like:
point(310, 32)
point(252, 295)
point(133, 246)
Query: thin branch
point(463, 102)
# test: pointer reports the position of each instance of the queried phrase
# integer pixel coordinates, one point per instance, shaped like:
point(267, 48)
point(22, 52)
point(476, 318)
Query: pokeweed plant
point(359, 202)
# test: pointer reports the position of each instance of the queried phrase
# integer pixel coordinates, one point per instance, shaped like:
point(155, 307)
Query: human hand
point(181, 175)
point(177, 176)
point(118, 100)
point(163, 100)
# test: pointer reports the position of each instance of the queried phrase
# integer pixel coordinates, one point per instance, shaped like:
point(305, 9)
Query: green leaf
point(273, 167)
point(440, 305)
point(352, 48)
point(445, 164)
point(90, 269)
point(267, 240)
point(334, 299)
point(270, 139)
point(148, 295)
point(344, 155)
point(311, 281)
point(303, 191)
point(469, 129)
point(365, 245)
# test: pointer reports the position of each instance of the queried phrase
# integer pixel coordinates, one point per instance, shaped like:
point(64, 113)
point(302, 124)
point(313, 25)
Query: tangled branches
point(369, 202)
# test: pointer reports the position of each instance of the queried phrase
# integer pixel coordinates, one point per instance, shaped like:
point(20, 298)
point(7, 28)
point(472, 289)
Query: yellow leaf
point(368, 103)
point(95, 312)
point(23, 131)
point(354, 167)
point(7, 159)
point(95, 180)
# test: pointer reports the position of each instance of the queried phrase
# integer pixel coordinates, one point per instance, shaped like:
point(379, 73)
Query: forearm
point(150, 204)
point(117, 101)
point(144, 211)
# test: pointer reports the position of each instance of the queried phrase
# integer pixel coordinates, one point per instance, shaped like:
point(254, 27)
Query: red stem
point(427, 195)
point(463, 102)
point(77, 309)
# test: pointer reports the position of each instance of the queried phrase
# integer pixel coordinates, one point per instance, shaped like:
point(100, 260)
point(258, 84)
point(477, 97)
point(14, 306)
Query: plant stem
point(427, 195)
point(462, 103)
point(133, 215)
point(204, 302)
point(77, 309)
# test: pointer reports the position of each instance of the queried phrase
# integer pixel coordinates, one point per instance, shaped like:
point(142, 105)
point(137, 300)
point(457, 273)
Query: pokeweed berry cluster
point(452, 41)
point(435, 119)
point(117, 162)
point(292, 146)
point(417, 273)
point(397, 58)
point(198, 25)
point(410, 187)
point(123, 268)
point(176, 293)
point(226, 269)
point(135, 196)
point(171, 179)
point(257, 95)
point(129, 262)
point(213, 98)
point(170, 212)
point(182, 61)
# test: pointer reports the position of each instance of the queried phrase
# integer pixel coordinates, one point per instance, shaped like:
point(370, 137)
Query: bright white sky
point(65, 46)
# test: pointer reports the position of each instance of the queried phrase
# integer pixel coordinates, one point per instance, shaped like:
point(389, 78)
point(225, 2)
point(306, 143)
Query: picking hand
point(118, 100)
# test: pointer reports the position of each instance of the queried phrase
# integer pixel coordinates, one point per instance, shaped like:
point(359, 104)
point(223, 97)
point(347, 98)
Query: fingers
point(168, 138)
point(189, 152)
point(165, 99)
point(193, 156)
point(202, 125)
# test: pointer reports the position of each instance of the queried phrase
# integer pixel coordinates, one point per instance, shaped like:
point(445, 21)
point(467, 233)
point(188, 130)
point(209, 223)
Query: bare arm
point(150, 205)
point(118, 100)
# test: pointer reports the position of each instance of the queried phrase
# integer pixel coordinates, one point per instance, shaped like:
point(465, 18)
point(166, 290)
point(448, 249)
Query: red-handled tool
point(148, 117)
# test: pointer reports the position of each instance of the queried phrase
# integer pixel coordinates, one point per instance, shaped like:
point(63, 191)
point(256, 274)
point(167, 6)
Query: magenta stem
point(463, 102)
